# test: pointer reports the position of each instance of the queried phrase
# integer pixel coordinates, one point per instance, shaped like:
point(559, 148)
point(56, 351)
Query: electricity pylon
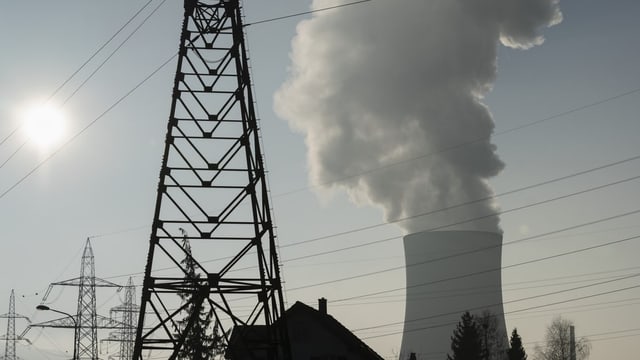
point(212, 184)
point(86, 321)
point(127, 315)
point(10, 337)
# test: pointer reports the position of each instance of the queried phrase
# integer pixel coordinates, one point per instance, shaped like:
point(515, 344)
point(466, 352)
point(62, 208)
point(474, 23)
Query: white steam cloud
point(391, 80)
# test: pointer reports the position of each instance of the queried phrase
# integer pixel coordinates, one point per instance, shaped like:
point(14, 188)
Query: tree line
point(478, 338)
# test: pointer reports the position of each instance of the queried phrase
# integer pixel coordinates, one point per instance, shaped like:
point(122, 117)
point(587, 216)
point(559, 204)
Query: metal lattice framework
point(212, 186)
point(10, 337)
point(86, 321)
point(127, 315)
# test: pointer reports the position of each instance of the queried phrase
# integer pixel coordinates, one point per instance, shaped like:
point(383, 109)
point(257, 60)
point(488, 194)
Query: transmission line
point(467, 143)
point(505, 313)
point(464, 275)
point(93, 55)
point(305, 13)
point(490, 247)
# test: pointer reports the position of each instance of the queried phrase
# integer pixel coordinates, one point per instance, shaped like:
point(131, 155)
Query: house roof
point(255, 336)
point(334, 326)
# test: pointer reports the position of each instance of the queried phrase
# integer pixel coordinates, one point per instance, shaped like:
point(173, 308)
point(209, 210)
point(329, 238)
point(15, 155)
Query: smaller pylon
point(10, 337)
point(126, 314)
point(86, 321)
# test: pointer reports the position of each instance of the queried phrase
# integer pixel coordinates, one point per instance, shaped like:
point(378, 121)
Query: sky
point(560, 108)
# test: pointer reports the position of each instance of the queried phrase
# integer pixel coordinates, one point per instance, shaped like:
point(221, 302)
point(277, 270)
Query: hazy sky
point(103, 184)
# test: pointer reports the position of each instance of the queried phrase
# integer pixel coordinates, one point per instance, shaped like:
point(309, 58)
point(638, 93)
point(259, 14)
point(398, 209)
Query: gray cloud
point(390, 80)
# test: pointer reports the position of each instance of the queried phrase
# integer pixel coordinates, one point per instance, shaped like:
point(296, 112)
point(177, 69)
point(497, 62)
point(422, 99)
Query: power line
point(13, 153)
point(528, 238)
point(490, 247)
point(122, 43)
point(93, 55)
point(510, 312)
point(369, 227)
point(424, 295)
point(333, 281)
point(305, 13)
point(507, 302)
point(75, 136)
point(475, 219)
point(528, 187)
point(490, 215)
point(379, 168)
point(592, 335)
point(138, 85)
point(467, 143)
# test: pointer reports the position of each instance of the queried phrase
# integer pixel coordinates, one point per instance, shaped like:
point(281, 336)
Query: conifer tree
point(465, 342)
point(202, 342)
point(516, 351)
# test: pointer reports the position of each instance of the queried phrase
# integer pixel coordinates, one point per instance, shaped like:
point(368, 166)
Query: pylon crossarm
point(65, 322)
point(14, 316)
point(103, 322)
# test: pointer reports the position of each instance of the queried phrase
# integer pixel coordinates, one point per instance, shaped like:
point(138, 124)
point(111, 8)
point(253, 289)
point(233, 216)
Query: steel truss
point(87, 321)
point(212, 192)
point(10, 337)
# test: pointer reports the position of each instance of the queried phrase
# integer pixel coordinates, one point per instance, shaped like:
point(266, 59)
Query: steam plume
point(390, 80)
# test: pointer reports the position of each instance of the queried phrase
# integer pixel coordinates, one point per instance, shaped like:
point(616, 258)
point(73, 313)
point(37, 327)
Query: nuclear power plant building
point(448, 273)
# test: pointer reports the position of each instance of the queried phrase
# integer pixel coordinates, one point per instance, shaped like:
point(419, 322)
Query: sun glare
point(44, 125)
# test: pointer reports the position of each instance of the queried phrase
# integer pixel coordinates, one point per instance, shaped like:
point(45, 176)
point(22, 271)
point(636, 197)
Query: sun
point(44, 125)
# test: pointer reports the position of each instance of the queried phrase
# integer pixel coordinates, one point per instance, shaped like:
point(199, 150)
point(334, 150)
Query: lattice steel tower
point(126, 314)
point(10, 337)
point(86, 321)
point(212, 184)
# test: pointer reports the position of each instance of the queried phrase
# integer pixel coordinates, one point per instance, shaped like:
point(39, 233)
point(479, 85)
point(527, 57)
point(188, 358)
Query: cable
point(333, 281)
point(14, 153)
point(422, 156)
point(304, 13)
point(143, 81)
point(117, 232)
point(473, 251)
point(508, 302)
point(95, 53)
point(425, 295)
point(490, 247)
point(528, 187)
point(510, 312)
point(369, 227)
point(75, 136)
point(499, 213)
point(529, 343)
point(114, 51)
point(98, 51)
point(461, 145)
point(287, 261)
point(572, 227)
point(9, 136)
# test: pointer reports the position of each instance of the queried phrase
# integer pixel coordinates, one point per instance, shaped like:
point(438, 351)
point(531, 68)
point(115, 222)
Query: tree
point(465, 342)
point(557, 343)
point(516, 351)
point(202, 342)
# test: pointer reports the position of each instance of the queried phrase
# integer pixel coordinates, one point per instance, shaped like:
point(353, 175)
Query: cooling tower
point(440, 287)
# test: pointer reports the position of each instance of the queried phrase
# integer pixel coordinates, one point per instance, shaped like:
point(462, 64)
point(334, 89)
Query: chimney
point(322, 306)
point(572, 343)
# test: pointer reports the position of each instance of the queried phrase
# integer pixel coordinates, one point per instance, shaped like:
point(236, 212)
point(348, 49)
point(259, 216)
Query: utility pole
point(10, 337)
point(212, 184)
